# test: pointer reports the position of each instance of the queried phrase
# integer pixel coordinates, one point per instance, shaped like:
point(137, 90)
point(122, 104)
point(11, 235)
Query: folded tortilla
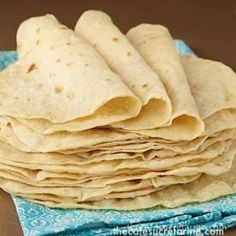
point(60, 81)
point(156, 45)
point(97, 28)
point(213, 86)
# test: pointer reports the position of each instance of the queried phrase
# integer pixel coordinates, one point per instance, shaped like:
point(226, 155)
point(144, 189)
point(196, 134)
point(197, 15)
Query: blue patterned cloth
point(191, 219)
point(219, 214)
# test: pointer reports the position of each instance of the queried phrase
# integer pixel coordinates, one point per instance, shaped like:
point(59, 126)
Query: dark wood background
point(208, 26)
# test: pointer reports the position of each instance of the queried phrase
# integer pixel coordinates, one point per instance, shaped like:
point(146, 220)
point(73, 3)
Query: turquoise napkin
point(191, 219)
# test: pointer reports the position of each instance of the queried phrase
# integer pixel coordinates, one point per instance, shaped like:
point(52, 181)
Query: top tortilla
point(60, 79)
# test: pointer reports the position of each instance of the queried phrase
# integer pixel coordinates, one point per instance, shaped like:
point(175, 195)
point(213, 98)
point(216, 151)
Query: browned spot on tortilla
point(69, 64)
point(132, 86)
point(38, 30)
point(115, 39)
point(217, 164)
point(58, 89)
point(85, 65)
point(58, 60)
point(94, 45)
point(128, 54)
point(135, 181)
point(68, 43)
point(31, 68)
point(16, 98)
point(113, 69)
point(51, 75)
point(108, 79)
point(144, 85)
point(51, 47)
point(37, 42)
point(70, 95)
point(28, 99)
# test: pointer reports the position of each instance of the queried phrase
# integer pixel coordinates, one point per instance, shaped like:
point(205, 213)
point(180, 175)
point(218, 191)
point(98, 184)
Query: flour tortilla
point(8, 172)
point(114, 167)
point(225, 119)
point(66, 81)
point(204, 188)
point(85, 193)
point(98, 29)
point(108, 167)
point(161, 149)
point(212, 145)
point(156, 45)
point(213, 86)
point(214, 168)
point(63, 179)
point(25, 139)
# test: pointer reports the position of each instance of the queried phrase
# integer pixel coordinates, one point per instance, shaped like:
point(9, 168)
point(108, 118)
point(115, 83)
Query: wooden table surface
point(208, 26)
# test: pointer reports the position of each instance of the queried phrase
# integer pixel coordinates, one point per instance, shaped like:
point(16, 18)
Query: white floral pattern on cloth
point(191, 219)
point(39, 220)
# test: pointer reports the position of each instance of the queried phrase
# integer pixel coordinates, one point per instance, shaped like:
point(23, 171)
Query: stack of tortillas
point(93, 118)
